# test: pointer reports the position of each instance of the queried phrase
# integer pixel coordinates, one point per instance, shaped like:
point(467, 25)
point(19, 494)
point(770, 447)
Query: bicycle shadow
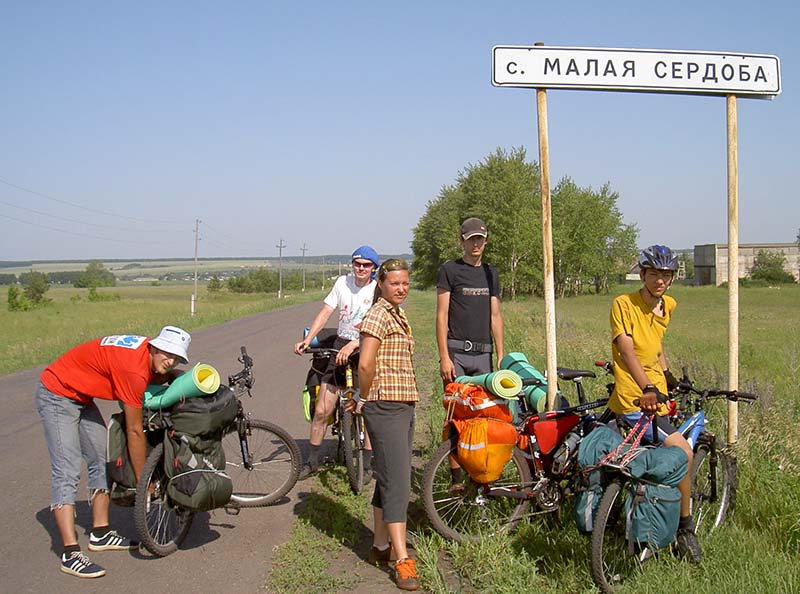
point(121, 519)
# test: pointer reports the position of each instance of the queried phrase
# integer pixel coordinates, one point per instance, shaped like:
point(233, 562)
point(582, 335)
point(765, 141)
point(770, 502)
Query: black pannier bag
point(193, 455)
point(196, 470)
point(205, 415)
point(119, 469)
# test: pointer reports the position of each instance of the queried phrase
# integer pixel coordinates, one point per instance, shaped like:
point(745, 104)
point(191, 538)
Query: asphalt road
point(223, 553)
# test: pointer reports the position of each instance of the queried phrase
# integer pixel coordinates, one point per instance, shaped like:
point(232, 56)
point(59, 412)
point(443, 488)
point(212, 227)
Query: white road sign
point(655, 71)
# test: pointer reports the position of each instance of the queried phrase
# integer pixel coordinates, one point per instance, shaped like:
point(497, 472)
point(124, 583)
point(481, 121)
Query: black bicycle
point(261, 458)
point(348, 426)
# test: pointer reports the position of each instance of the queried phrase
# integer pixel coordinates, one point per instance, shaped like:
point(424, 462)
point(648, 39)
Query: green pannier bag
point(205, 415)
point(653, 507)
point(195, 467)
point(119, 469)
point(593, 448)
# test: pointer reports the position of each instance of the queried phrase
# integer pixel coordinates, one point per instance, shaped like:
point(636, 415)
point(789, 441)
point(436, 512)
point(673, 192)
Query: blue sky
point(333, 124)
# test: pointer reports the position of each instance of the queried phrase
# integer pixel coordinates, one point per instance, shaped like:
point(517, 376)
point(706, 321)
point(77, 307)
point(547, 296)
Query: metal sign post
point(651, 71)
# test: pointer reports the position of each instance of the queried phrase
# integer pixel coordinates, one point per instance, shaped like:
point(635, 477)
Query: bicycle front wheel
point(714, 479)
point(612, 562)
point(466, 511)
point(353, 447)
point(161, 526)
point(263, 462)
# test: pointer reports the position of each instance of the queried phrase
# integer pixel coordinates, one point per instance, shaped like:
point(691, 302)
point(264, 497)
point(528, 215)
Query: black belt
point(469, 346)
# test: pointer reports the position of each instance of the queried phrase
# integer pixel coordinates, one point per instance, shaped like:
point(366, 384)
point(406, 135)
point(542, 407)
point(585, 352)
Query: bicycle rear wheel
point(714, 479)
point(274, 463)
point(612, 563)
point(468, 513)
point(161, 526)
point(353, 447)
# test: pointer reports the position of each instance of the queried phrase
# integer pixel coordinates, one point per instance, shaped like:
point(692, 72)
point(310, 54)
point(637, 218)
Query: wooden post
point(733, 268)
point(547, 251)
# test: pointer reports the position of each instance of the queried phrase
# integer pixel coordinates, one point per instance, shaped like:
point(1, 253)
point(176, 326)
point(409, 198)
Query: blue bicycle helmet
point(659, 257)
point(366, 253)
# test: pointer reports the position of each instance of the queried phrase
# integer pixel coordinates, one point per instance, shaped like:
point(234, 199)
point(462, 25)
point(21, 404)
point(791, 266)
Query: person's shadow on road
point(121, 520)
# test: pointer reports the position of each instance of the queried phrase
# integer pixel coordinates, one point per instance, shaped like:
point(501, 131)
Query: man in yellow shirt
point(639, 322)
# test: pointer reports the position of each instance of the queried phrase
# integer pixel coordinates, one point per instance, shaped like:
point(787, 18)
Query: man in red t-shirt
point(110, 368)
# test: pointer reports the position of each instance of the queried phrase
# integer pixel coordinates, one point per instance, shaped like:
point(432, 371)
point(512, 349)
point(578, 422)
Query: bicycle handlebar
point(245, 376)
point(686, 387)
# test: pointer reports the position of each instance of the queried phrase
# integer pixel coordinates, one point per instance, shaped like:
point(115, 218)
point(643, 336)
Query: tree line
point(592, 244)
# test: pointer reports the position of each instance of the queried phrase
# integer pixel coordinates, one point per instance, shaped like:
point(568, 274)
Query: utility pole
point(196, 241)
point(280, 247)
point(303, 265)
point(323, 273)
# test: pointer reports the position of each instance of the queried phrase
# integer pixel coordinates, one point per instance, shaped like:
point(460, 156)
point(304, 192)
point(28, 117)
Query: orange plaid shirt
point(394, 371)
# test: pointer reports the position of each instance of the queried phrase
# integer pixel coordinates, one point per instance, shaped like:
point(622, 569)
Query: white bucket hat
point(174, 341)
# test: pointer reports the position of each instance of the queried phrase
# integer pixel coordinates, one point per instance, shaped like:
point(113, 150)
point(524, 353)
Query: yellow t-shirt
point(632, 316)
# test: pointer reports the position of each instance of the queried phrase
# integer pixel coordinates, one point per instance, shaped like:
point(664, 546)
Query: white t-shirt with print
point(353, 302)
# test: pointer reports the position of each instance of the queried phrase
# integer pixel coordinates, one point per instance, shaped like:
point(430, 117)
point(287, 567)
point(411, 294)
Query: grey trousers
point(391, 431)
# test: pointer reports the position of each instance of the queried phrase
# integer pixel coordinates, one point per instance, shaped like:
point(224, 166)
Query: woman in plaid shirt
point(387, 383)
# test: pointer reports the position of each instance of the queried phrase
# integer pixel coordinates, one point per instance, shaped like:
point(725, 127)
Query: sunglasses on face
point(357, 264)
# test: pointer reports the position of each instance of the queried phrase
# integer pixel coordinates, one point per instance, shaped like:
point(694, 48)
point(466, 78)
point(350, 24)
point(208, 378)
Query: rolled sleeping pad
point(503, 383)
point(536, 396)
point(202, 379)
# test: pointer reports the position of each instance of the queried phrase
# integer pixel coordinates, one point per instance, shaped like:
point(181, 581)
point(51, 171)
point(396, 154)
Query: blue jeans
point(72, 431)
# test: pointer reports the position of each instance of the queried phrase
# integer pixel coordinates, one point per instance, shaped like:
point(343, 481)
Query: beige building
point(711, 260)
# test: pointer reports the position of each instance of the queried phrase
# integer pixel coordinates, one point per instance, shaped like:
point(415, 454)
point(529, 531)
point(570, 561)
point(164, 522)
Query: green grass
point(38, 336)
point(757, 550)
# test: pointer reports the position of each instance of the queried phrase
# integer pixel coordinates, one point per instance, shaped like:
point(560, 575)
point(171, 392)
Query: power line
point(86, 235)
point(103, 212)
point(68, 220)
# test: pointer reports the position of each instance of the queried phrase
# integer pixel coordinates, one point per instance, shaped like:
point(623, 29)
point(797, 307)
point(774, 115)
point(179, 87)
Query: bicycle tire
point(612, 563)
point(160, 525)
point(275, 458)
point(710, 506)
point(470, 514)
point(352, 431)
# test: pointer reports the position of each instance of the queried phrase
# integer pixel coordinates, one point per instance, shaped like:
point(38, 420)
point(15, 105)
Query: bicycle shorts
point(665, 426)
point(335, 374)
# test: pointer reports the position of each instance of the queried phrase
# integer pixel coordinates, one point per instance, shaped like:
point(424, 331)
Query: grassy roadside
point(35, 337)
point(758, 550)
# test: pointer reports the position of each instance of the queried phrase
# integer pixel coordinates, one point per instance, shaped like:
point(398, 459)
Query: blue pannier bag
point(653, 508)
point(593, 448)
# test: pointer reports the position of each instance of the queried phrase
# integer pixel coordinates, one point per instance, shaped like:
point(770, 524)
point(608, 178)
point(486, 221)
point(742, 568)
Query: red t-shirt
point(111, 368)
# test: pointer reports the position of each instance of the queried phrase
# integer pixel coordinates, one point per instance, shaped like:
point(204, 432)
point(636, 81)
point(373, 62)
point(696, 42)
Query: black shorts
point(335, 374)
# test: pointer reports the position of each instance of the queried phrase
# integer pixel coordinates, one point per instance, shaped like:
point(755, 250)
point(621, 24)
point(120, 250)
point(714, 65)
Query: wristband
point(649, 388)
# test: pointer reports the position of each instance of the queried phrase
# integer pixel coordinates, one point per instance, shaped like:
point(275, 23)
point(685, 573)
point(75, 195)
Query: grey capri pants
point(391, 431)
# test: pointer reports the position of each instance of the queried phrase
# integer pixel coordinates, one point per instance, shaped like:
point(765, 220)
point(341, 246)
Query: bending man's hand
point(447, 370)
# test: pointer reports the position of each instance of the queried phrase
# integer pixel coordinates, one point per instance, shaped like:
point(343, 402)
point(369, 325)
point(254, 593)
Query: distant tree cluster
point(8, 279)
point(592, 245)
point(34, 286)
point(95, 275)
point(263, 280)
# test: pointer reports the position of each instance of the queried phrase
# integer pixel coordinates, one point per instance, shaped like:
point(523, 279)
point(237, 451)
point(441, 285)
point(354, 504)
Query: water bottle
point(564, 452)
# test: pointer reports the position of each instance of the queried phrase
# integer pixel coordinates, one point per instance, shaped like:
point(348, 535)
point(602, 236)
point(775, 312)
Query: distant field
point(126, 270)
point(31, 338)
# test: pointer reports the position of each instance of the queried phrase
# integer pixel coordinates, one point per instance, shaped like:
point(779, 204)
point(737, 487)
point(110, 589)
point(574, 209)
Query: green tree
point(769, 267)
point(214, 284)
point(17, 300)
point(35, 285)
point(592, 244)
point(95, 275)
point(502, 190)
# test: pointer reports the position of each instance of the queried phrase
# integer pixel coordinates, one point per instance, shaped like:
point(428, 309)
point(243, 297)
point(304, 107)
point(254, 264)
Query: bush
point(17, 300)
point(769, 267)
point(94, 296)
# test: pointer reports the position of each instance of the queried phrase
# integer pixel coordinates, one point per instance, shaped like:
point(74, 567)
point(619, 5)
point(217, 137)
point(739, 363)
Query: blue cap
point(366, 253)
